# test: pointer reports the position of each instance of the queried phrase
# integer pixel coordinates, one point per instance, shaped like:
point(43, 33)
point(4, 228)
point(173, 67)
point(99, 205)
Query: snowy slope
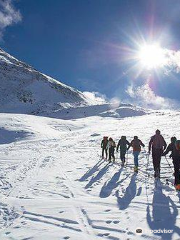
point(103, 110)
point(55, 186)
point(25, 90)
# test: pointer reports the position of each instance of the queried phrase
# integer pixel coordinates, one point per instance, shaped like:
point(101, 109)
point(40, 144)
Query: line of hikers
point(157, 145)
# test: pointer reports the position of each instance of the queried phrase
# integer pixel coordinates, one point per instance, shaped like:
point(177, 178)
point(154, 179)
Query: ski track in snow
point(55, 186)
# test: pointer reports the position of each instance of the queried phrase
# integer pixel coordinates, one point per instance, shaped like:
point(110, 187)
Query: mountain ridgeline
point(27, 91)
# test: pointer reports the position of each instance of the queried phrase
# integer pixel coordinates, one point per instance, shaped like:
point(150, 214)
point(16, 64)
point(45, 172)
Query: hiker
point(104, 146)
point(111, 147)
point(174, 148)
point(136, 144)
point(123, 144)
point(158, 145)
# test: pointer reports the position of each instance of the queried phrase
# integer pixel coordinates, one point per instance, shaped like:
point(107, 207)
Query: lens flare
point(152, 56)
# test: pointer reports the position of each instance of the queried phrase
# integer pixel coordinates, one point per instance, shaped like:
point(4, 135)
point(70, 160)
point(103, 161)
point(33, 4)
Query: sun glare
point(151, 56)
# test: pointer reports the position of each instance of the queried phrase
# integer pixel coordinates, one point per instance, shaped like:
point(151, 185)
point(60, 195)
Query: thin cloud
point(8, 15)
point(173, 62)
point(95, 97)
point(145, 96)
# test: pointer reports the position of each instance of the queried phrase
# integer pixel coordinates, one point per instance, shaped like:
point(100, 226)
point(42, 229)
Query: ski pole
point(126, 158)
point(167, 181)
point(168, 163)
point(147, 156)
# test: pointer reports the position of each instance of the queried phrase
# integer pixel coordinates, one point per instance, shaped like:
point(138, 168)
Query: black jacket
point(174, 152)
point(123, 143)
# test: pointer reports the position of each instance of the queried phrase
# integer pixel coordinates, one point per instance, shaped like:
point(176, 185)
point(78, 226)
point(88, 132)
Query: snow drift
point(54, 185)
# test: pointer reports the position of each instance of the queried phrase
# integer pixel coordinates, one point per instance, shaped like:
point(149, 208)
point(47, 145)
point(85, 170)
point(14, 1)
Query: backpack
point(111, 144)
point(177, 145)
point(158, 141)
point(105, 142)
point(136, 145)
point(123, 144)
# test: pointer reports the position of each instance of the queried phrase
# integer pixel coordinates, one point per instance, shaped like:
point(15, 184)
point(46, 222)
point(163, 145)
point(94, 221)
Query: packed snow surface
point(54, 184)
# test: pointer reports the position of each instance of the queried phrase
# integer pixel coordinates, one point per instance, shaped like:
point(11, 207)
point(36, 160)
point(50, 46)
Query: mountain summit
point(25, 90)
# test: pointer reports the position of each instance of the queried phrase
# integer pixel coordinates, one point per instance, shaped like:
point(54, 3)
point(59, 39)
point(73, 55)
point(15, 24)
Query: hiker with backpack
point(104, 146)
point(174, 148)
point(136, 144)
point(123, 144)
point(111, 147)
point(158, 145)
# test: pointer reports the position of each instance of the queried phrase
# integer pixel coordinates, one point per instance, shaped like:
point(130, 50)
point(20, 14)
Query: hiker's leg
point(106, 153)
point(136, 154)
point(102, 152)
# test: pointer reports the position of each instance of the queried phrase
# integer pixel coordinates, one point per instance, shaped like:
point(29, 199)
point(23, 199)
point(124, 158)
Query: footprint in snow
point(107, 210)
point(103, 234)
point(116, 222)
point(108, 222)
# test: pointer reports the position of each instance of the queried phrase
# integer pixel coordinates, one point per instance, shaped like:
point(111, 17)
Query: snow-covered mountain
point(25, 90)
point(53, 182)
point(103, 110)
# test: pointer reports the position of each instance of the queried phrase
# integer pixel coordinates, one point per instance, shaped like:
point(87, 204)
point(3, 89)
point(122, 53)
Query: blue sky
point(85, 44)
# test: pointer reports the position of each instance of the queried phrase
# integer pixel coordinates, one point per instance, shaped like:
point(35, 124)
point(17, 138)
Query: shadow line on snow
point(129, 195)
point(35, 219)
point(99, 175)
point(163, 215)
point(91, 171)
point(64, 220)
point(108, 186)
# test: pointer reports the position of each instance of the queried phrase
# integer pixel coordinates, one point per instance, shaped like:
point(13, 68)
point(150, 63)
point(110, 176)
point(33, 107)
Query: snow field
point(55, 186)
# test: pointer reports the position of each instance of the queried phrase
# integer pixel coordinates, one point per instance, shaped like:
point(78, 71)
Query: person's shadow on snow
point(100, 174)
point(108, 186)
point(130, 193)
point(90, 172)
point(163, 216)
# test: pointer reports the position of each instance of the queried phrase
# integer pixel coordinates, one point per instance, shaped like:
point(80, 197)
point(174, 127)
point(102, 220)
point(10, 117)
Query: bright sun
point(151, 56)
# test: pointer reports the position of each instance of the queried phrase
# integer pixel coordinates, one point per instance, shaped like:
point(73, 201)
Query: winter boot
point(157, 173)
point(122, 163)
